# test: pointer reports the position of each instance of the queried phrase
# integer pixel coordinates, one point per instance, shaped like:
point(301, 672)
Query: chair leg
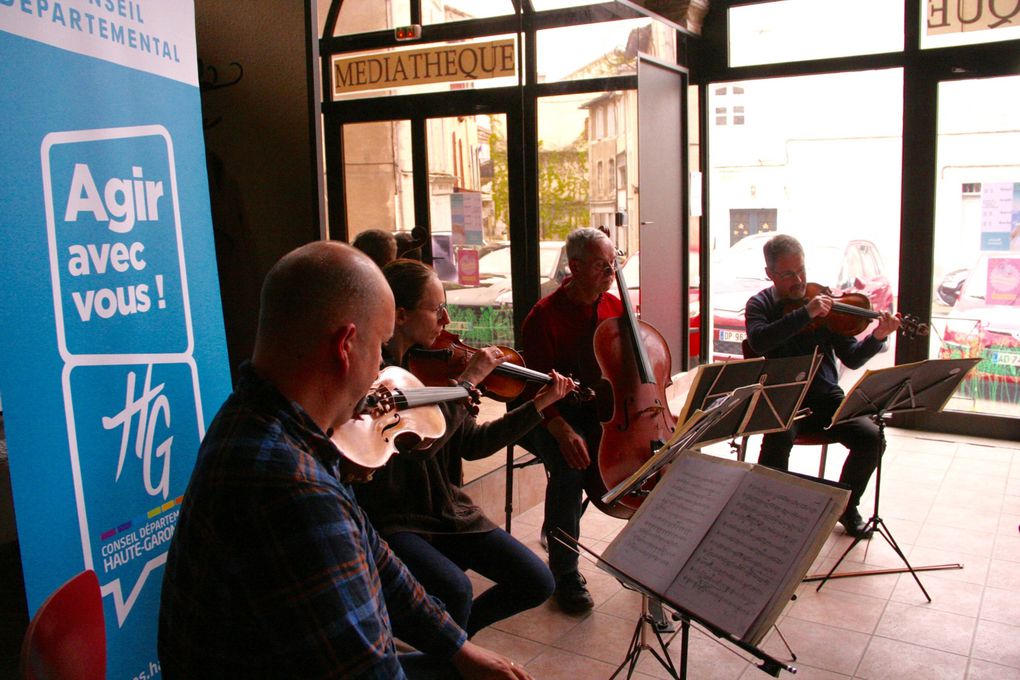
point(821, 461)
point(508, 506)
point(742, 451)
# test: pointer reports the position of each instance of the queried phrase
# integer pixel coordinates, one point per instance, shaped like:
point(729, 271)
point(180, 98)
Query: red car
point(739, 273)
point(632, 276)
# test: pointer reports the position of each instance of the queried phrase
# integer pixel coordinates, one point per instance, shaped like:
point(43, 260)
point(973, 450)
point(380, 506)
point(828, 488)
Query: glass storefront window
point(442, 11)
point(364, 16)
point(601, 49)
point(469, 215)
point(816, 157)
point(377, 176)
point(976, 284)
point(796, 30)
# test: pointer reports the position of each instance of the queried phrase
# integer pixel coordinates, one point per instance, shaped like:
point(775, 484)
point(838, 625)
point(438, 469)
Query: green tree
point(562, 185)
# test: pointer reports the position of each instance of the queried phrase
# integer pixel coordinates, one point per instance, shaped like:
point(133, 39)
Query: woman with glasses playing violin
point(415, 501)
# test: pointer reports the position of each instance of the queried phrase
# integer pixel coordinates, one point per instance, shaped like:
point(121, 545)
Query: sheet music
point(655, 543)
point(756, 542)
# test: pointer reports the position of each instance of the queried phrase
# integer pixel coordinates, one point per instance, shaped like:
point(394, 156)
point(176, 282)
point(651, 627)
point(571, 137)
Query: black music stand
point(719, 416)
point(784, 384)
point(639, 640)
point(879, 395)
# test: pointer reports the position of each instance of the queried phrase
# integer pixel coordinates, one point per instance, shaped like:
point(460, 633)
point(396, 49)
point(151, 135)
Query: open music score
point(726, 542)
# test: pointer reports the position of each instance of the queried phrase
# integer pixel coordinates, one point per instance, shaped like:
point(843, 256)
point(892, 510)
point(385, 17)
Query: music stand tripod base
point(878, 395)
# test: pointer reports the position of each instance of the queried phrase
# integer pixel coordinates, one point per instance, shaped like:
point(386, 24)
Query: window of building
point(796, 30)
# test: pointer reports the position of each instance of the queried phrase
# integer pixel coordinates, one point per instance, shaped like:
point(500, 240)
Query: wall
point(263, 178)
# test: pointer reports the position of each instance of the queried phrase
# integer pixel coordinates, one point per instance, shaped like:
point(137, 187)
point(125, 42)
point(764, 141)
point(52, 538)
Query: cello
point(635, 361)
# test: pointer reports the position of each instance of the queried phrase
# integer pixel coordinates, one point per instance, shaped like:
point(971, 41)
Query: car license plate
point(1005, 358)
point(731, 336)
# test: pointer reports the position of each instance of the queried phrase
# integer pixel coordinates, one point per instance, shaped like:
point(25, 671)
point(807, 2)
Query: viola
point(449, 356)
point(635, 360)
point(398, 414)
point(850, 314)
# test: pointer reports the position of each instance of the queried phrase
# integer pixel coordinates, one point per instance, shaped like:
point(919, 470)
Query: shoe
point(543, 540)
point(854, 525)
point(571, 594)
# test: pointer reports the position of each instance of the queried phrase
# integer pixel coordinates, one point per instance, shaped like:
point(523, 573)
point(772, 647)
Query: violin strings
point(409, 398)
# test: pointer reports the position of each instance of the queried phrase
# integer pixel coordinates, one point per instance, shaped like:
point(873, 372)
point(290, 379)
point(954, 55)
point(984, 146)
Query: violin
point(398, 414)
point(449, 356)
point(850, 314)
point(635, 360)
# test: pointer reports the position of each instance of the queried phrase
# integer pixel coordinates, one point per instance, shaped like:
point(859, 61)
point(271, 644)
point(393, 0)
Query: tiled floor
point(944, 499)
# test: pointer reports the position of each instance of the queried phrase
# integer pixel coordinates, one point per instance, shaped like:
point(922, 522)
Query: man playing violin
point(777, 321)
point(416, 502)
point(557, 335)
point(274, 570)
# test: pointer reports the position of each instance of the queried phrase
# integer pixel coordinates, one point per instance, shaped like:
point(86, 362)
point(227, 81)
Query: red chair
point(66, 639)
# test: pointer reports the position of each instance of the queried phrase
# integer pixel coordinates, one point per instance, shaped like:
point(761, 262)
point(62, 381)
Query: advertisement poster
point(997, 214)
point(114, 358)
point(1003, 281)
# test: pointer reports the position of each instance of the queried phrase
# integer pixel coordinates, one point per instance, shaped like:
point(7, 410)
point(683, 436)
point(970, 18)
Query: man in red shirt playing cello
point(557, 335)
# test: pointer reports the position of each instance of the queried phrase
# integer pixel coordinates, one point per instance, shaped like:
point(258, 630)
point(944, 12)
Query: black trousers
point(860, 436)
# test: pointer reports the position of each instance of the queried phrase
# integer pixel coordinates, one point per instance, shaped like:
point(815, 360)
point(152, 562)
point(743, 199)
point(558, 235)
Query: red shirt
point(557, 335)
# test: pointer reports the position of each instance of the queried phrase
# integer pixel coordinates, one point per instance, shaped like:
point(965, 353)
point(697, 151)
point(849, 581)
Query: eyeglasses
point(438, 311)
point(792, 275)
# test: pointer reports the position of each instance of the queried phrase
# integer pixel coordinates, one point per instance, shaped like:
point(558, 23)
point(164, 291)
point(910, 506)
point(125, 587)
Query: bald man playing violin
point(778, 323)
point(274, 570)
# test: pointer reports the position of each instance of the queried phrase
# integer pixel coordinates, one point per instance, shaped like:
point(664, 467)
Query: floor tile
point(1002, 606)
point(946, 595)
point(983, 670)
point(997, 642)
point(967, 541)
point(1004, 574)
point(887, 659)
point(818, 645)
point(559, 664)
point(514, 647)
point(927, 627)
point(845, 610)
point(1007, 548)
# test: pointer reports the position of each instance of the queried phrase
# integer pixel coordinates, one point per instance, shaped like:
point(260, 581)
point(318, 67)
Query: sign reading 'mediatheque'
point(447, 63)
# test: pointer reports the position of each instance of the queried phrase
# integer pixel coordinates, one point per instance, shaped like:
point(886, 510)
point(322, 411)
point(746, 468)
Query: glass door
point(976, 263)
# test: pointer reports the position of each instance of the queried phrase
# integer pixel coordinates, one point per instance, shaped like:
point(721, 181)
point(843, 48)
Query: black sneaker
point(854, 525)
point(571, 594)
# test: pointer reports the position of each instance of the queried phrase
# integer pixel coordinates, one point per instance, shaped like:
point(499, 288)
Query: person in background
point(772, 331)
point(379, 245)
point(274, 571)
point(416, 501)
point(407, 245)
point(557, 335)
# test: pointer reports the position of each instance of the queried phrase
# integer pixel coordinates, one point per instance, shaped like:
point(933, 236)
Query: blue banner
point(114, 358)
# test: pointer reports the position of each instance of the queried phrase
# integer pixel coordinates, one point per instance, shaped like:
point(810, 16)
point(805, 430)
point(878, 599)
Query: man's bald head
point(311, 292)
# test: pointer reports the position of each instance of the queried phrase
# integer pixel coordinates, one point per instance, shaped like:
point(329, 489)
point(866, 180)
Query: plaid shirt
point(274, 571)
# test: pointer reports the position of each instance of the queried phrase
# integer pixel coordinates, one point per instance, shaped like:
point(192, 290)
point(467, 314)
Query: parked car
point(483, 314)
point(949, 288)
point(739, 273)
point(985, 322)
point(632, 276)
